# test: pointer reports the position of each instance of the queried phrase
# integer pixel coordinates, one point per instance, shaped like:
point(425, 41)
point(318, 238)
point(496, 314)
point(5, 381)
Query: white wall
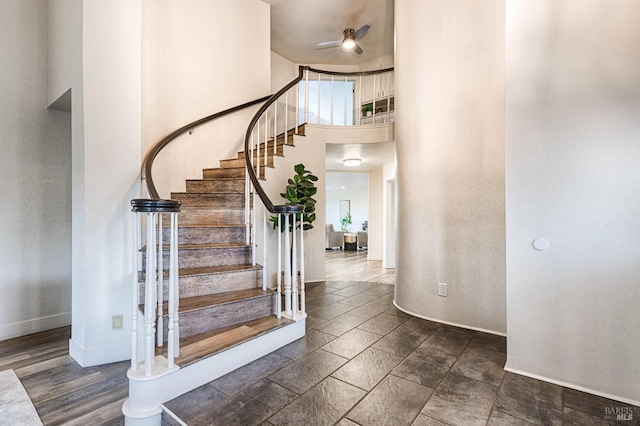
point(376, 215)
point(449, 86)
point(195, 63)
point(573, 102)
point(282, 72)
point(106, 175)
point(35, 180)
point(389, 224)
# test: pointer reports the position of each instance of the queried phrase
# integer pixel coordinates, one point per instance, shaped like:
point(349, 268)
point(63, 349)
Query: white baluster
point(266, 140)
point(149, 299)
point(294, 268)
point(346, 83)
point(257, 151)
point(275, 127)
point(319, 103)
point(332, 100)
point(136, 292)
point(247, 228)
point(171, 343)
point(359, 111)
point(287, 267)
point(302, 296)
point(286, 118)
point(254, 244)
point(160, 283)
point(264, 248)
point(176, 288)
point(297, 111)
point(279, 271)
point(306, 97)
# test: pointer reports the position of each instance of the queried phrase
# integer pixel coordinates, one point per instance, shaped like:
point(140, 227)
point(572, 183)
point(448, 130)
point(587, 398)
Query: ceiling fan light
point(351, 162)
point(349, 41)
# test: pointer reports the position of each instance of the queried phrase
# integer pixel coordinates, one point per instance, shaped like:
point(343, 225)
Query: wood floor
point(354, 266)
point(64, 393)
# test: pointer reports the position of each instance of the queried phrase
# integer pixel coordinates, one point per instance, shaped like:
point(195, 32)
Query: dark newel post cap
point(145, 205)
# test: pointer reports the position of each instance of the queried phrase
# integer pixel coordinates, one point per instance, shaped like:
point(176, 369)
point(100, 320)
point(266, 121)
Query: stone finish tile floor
point(364, 362)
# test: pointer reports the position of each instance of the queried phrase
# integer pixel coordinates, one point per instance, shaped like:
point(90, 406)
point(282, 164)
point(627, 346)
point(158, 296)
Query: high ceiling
point(297, 26)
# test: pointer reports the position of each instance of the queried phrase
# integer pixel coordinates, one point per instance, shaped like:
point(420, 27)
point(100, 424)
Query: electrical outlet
point(116, 322)
point(442, 289)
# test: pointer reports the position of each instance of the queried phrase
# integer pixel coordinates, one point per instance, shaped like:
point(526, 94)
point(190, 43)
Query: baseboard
point(98, 355)
point(572, 386)
point(468, 327)
point(34, 325)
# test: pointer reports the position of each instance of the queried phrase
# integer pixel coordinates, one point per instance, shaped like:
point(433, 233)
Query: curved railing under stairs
point(276, 122)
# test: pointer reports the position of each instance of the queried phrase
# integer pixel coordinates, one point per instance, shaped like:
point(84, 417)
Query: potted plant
point(367, 110)
point(345, 222)
point(300, 191)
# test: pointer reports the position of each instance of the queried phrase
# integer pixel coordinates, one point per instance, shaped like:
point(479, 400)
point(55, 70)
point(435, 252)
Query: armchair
point(333, 238)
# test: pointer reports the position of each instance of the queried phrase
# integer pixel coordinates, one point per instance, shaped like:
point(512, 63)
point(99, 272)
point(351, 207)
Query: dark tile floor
point(364, 362)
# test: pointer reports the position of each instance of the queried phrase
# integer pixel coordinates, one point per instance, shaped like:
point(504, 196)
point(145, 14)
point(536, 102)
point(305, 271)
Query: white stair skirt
point(147, 394)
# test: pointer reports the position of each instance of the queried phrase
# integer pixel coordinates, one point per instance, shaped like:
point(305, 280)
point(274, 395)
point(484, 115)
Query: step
point(204, 216)
point(200, 346)
point(207, 234)
point(279, 150)
point(226, 172)
point(201, 314)
point(221, 185)
point(204, 255)
point(210, 280)
point(233, 163)
point(218, 200)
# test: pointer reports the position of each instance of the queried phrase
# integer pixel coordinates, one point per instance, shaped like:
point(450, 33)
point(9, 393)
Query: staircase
point(222, 301)
point(227, 314)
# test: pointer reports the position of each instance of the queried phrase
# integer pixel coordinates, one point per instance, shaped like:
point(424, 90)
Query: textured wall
point(35, 180)
point(573, 108)
point(449, 87)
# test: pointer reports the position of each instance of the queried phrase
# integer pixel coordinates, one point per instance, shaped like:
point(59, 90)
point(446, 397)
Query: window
point(330, 102)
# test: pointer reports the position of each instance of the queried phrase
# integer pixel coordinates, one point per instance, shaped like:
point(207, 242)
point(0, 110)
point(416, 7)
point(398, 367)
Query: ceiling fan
point(349, 41)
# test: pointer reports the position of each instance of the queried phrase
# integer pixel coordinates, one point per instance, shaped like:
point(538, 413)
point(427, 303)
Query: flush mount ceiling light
point(351, 162)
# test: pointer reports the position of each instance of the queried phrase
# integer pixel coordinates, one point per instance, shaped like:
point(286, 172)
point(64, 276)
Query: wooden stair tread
point(201, 246)
point(198, 302)
point(206, 225)
point(200, 346)
point(208, 270)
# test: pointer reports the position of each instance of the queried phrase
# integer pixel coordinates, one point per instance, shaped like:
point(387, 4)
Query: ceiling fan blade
point(362, 31)
point(327, 44)
point(358, 49)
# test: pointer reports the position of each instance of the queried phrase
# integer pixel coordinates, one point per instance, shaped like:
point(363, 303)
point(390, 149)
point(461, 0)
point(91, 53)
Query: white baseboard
point(34, 325)
point(575, 387)
point(99, 355)
point(483, 330)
